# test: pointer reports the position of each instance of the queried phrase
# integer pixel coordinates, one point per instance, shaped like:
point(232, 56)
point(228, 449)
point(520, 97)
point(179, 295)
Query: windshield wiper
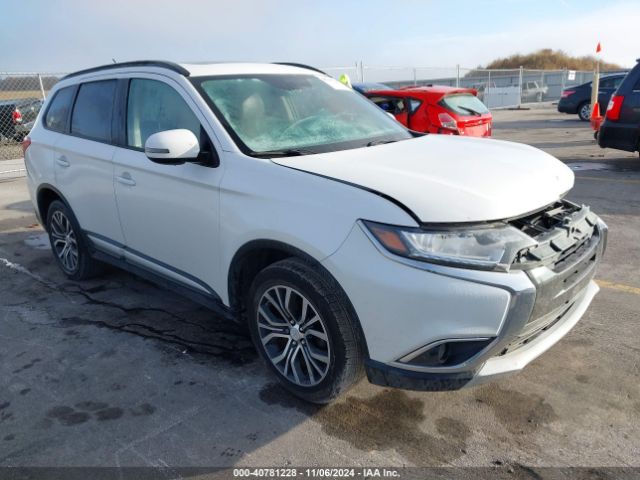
point(373, 143)
point(287, 152)
point(470, 110)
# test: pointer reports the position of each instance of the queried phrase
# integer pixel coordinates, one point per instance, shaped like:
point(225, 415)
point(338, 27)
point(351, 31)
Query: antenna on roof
point(114, 60)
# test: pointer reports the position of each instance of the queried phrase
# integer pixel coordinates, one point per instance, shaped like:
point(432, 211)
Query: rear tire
point(68, 245)
point(584, 111)
point(304, 328)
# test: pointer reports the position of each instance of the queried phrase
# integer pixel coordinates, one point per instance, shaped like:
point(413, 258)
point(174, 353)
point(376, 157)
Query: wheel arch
point(45, 196)
point(253, 257)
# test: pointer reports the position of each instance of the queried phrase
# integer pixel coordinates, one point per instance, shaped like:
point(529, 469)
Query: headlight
point(490, 247)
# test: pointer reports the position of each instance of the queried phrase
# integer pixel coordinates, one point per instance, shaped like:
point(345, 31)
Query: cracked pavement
point(119, 372)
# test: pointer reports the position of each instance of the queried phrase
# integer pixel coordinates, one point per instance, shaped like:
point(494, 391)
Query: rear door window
point(606, 83)
point(93, 110)
point(58, 111)
point(394, 105)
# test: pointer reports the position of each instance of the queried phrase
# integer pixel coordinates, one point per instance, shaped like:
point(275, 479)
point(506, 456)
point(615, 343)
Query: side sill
point(209, 301)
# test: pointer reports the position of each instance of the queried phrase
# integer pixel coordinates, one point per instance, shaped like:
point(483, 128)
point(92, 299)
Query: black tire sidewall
point(276, 275)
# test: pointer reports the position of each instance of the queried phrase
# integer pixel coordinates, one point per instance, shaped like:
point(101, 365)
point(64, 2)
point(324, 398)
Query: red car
point(436, 109)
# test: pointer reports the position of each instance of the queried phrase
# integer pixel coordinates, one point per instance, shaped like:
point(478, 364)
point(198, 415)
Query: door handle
point(126, 179)
point(62, 161)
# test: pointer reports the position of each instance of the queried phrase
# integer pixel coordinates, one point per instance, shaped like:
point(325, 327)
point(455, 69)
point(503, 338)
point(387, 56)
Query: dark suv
point(578, 99)
point(621, 127)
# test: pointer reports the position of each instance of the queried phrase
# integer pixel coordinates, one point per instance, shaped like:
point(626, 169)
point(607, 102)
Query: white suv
point(279, 197)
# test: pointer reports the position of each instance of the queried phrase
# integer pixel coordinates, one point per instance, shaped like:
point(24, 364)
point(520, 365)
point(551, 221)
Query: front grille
point(555, 289)
point(570, 242)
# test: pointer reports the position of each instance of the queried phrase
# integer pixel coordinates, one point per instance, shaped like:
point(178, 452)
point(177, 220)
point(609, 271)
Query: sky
point(66, 35)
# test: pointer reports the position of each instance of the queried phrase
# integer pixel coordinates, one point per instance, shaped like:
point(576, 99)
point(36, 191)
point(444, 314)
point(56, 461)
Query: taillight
point(26, 142)
point(614, 107)
point(447, 121)
point(16, 116)
point(567, 93)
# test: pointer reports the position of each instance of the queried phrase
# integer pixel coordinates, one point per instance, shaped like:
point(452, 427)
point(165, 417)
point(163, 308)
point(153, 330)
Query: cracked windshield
point(287, 113)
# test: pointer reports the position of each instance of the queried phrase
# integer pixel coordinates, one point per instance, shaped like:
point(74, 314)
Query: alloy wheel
point(64, 241)
point(293, 335)
point(585, 111)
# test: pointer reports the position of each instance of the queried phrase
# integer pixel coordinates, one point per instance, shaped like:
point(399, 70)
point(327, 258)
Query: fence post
point(41, 87)
point(520, 86)
point(458, 76)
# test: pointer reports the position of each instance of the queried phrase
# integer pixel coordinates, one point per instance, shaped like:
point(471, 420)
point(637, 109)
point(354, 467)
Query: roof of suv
point(205, 69)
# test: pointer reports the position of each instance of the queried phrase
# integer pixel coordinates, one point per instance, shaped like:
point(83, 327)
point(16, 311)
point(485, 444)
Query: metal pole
point(415, 77)
point(458, 76)
point(595, 84)
point(520, 86)
point(41, 87)
point(361, 71)
point(357, 71)
point(564, 80)
point(541, 85)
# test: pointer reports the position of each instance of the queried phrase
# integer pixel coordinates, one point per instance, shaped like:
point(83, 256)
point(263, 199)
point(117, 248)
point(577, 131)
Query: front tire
point(68, 245)
point(305, 330)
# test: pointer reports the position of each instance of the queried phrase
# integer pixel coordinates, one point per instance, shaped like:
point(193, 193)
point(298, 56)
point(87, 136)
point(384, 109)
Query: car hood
point(443, 178)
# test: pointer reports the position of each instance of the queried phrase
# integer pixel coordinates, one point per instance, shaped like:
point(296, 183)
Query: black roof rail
point(301, 65)
point(139, 63)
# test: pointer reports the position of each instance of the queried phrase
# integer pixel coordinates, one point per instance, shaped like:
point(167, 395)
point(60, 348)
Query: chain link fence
point(496, 88)
point(21, 98)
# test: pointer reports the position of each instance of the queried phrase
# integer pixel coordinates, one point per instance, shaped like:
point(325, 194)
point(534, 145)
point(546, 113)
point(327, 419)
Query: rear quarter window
point(58, 111)
point(93, 110)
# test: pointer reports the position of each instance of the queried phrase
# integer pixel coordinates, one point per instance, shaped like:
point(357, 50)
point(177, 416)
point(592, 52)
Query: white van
point(279, 197)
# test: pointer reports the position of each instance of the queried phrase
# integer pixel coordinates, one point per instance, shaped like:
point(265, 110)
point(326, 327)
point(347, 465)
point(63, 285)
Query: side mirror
point(172, 147)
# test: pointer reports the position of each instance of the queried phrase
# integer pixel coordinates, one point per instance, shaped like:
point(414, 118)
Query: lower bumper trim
point(384, 375)
point(515, 361)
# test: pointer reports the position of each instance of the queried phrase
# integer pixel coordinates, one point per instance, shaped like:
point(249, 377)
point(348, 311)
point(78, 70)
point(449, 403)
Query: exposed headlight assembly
point(482, 247)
